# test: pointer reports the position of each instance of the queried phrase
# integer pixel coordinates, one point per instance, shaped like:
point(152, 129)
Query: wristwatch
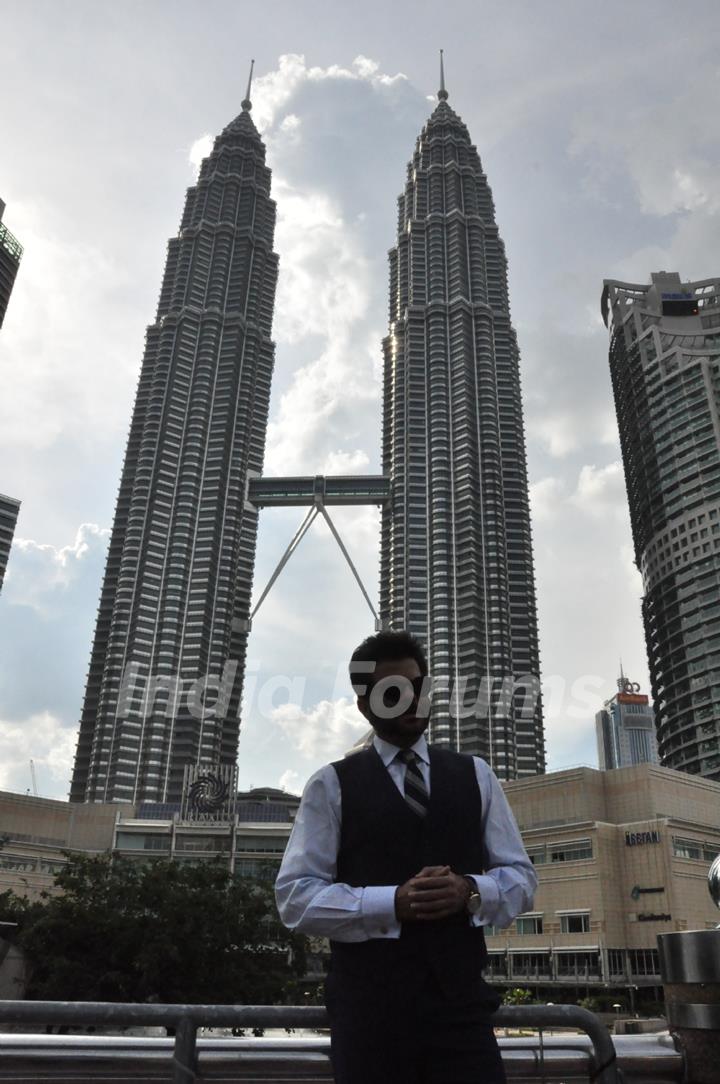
point(474, 902)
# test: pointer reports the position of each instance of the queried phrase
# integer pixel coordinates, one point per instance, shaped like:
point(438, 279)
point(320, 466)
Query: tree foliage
point(518, 995)
point(157, 931)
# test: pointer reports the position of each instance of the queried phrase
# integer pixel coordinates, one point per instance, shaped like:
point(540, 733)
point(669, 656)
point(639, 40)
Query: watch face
point(474, 903)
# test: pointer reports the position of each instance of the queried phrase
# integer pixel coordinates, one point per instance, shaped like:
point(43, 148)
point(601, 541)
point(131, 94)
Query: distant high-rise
point(625, 729)
point(10, 256)
point(665, 367)
point(456, 556)
point(164, 684)
point(9, 509)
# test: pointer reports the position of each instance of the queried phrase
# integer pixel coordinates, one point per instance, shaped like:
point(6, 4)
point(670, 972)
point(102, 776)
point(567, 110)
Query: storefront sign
point(637, 892)
point(634, 839)
point(654, 918)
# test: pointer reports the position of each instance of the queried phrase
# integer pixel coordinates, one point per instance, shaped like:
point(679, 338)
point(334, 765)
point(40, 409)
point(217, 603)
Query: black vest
point(382, 842)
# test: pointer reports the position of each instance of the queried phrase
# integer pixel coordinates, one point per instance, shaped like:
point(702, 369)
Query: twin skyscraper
point(165, 679)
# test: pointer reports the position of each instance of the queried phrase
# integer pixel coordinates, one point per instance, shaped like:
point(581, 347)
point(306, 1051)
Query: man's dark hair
point(384, 647)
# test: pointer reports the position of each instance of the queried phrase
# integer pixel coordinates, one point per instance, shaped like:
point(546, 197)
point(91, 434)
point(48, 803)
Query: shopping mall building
point(621, 856)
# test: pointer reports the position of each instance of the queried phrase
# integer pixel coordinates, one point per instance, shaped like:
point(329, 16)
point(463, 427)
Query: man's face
point(392, 703)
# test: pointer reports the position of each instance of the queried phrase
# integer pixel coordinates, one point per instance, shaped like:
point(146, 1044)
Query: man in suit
point(400, 854)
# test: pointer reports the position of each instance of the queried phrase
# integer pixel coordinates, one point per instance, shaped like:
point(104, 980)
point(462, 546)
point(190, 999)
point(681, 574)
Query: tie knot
point(408, 756)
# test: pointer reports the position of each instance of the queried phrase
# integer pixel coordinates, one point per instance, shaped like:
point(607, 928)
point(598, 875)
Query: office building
point(665, 368)
point(456, 552)
point(625, 728)
point(165, 677)
point(10, 256)
point(9, 509)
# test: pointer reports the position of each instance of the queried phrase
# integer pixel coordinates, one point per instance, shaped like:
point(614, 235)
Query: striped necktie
point(416, 794)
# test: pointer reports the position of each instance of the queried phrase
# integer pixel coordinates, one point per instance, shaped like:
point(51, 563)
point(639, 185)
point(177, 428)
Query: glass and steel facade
point(9, 509)
point(456, 555)
point(625, 729)
point(10, 255)
point(167, 662)
point(665, 368)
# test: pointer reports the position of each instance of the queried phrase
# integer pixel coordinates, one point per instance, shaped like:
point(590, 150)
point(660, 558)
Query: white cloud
point(290, 780)
point(558, 432)
point(346, 462)
point(43, 739)
point(322, 282)
point(39, 574)
point(545, 496)
point(200, 149)
point(272, 92)
point(325, 731)
point(67, 357)
point(323, 293)
point(667, 144)
point(601, 491)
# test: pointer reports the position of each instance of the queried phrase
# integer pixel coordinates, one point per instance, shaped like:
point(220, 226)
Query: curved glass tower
point(164, 685)
point(665, 368)
point(456, 559)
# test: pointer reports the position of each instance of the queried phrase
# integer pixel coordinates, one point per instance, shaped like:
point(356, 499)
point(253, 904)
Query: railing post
point(690, 966)
point(184, 1053)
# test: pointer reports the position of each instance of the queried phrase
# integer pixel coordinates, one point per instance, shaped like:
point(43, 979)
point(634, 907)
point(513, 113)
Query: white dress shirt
point(311, 901)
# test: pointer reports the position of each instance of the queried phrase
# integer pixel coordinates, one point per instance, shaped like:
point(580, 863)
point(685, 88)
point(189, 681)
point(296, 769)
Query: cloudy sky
point(598, 130)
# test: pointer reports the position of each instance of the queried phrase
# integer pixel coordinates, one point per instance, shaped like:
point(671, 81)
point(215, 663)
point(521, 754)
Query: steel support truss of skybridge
point(316, 493)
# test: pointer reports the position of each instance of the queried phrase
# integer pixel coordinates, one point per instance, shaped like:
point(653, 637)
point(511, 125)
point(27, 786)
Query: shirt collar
point(388, 752)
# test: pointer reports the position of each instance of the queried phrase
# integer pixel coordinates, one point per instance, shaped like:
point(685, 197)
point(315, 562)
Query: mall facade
point(621, 857)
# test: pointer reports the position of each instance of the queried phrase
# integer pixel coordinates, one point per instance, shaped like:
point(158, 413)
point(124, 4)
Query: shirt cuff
point(490, 897)
point(378, 911)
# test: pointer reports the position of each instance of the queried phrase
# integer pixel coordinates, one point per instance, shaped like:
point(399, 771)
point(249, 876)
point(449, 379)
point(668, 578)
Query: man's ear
point(363, 705)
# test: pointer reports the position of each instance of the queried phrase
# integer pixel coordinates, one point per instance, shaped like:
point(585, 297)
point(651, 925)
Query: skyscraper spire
point(442, 93)
point(246, 103)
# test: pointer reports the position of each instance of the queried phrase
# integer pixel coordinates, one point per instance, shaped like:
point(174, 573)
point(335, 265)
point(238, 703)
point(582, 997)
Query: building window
point(529, 924)
point(616, 961)
point(644, 961)
point(578, 965)
point(530, 965)
point(686, 848)
point(579, 923)
point(496, 967)
point(577, 850)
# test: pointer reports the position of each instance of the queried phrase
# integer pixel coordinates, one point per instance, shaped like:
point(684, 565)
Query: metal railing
point(187, 1019)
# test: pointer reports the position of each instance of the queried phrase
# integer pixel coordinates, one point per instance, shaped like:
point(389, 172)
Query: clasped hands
point(435, 892)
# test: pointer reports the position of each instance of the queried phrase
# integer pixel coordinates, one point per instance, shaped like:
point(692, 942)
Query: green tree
point(158, 931)
point(517, 996)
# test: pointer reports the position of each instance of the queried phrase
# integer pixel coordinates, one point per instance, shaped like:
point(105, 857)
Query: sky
point(599, 133)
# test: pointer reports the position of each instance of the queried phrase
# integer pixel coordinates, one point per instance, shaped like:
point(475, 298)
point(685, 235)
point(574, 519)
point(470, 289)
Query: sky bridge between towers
point(341, 489)
point(316, 492)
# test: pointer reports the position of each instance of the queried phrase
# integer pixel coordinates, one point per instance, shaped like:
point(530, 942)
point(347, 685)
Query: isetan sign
point(635, 839)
